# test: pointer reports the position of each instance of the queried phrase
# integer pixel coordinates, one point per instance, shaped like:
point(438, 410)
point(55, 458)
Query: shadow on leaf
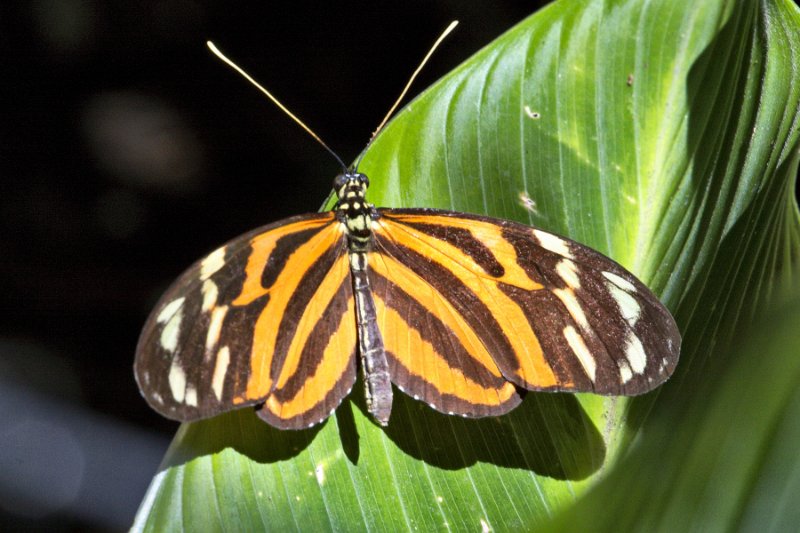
point(548, 434)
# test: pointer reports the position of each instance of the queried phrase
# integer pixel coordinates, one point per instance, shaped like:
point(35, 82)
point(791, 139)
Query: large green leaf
point(662, 133)
point(728, 462)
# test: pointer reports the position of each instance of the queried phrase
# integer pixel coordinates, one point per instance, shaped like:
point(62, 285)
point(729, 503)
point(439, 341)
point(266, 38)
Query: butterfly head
point(351, 185)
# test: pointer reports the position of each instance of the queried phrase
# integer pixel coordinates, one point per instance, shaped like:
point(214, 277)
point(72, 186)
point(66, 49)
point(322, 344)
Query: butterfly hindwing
point(238, 327)
point(552, 314)
point(433, 353)
point(320, 367)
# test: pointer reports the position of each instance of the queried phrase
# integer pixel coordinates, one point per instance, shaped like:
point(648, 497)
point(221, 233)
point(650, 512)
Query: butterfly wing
point(267, 318)
point(489, 301)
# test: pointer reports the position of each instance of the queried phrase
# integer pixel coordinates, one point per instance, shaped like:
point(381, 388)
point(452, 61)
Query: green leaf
point(729, 462)
point(662, 133)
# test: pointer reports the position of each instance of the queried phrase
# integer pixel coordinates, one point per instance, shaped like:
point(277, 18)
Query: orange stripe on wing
point(429, 298)
point(262, 247)
point(400, 228)
point(339, 273)
point(287, 280)
point(531, 369)
point(422, 360)
point(433, 352)
point(321, 391)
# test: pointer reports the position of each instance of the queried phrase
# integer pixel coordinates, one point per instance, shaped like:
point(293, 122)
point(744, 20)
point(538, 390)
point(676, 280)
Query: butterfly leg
point(374, 365)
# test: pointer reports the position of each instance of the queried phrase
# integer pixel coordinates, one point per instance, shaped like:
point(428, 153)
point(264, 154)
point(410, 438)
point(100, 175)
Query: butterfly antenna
point(433, 48)
point(282, 107)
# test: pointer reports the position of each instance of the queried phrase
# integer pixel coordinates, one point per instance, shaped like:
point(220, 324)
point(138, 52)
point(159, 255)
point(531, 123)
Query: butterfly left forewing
point(553, 314)
point(237, 326)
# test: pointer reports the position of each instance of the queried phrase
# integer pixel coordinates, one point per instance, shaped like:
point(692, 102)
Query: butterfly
point(461, 311)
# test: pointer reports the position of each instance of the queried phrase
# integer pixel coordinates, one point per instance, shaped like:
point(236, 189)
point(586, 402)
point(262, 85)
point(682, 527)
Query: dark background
point(126, 152)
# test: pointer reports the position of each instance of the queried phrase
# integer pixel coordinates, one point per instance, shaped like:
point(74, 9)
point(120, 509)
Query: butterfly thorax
point(353, 210)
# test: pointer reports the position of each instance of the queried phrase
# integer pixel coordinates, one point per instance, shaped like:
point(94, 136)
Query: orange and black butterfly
point(463, 312)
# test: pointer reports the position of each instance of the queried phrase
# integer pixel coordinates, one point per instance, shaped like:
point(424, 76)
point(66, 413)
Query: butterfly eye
point(339, 182)
point(364, 179)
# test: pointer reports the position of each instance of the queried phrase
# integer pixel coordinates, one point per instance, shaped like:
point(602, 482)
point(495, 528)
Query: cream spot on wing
point(170, 309)
point(215, 326)
point(210, 294)
point(572, 304)
point(625, 373)
point(628, 306)
point(568, 271)
point(581, 351)
point(191, 396)
point(634, 351)
point(172, 331)
point(177, 381)
point(220, 370)
point(557, 245)
point(213, 262)
point(620, 282)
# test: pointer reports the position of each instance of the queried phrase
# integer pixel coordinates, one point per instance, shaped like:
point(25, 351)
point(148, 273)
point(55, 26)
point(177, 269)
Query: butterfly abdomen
point(375, 367)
